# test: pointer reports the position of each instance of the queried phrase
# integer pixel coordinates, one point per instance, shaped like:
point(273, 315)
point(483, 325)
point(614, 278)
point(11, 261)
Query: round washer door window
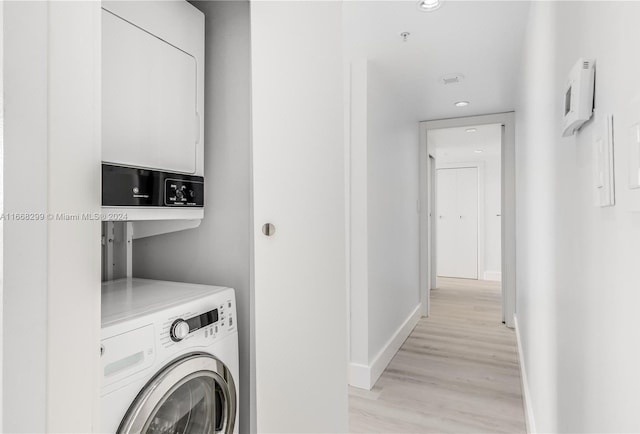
point(193, 395)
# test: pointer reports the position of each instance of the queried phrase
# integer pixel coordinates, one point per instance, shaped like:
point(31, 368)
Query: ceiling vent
point(451, 79)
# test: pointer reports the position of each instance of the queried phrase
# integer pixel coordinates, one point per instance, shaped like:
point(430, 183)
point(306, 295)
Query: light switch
point(629, 124)
point(634, 155)
point(603, 185)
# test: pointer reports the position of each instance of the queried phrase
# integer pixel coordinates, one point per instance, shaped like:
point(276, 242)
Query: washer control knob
point(179, 330)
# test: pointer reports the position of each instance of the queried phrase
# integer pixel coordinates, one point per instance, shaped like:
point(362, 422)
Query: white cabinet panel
point(149, 92)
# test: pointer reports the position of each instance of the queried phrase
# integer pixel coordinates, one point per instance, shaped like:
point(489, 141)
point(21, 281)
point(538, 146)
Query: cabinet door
point(149, 91)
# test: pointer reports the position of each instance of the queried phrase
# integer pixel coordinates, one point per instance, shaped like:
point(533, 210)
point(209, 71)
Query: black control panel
point(203, 320)
point(130, 186)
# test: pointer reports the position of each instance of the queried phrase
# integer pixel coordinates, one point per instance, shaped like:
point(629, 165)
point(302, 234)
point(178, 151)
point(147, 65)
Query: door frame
point(480, 242)
point(508, 181)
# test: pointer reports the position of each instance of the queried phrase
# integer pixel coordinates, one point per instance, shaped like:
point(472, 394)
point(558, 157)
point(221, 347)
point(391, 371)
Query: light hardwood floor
point(456, 373)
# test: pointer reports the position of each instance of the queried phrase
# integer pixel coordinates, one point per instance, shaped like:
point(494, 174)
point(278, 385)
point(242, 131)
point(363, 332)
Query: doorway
point(500, 215)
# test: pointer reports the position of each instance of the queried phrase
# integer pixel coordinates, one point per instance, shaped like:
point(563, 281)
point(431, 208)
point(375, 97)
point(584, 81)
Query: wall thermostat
point(578, 96)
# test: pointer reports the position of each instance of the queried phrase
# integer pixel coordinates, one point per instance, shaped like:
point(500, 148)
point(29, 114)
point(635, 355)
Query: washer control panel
point(200, 328)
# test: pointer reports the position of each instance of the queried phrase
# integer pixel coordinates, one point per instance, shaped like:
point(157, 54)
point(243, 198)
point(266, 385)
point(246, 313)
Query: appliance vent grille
point(585, 65)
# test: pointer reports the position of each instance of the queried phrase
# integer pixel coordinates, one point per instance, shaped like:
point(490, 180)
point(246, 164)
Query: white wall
point(25, 282)
point(358, 216)
point(384, 222)
point(392, 159)
point(577, 264)
point(218, 252)
point(51, 310)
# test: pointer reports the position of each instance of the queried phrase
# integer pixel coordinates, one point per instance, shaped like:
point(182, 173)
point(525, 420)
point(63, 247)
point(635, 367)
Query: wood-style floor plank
point(456, 373)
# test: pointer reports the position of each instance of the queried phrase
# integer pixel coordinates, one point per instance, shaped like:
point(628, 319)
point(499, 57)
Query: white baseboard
point(526, 394)
point(365, 376)
point(493, 275)
point(359, 375)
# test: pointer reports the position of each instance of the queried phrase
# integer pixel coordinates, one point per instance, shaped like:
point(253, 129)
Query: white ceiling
point(480, 39)
point(456, 144)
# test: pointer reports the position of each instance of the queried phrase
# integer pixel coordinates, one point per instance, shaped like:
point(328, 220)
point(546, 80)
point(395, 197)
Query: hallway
point(457, 371)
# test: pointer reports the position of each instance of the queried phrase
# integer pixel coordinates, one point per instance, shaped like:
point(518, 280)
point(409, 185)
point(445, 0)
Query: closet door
point(458, 222)
point(299, 188)
point(447, 222)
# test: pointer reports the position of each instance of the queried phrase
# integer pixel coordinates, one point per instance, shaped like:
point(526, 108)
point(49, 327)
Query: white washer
point(169, 358)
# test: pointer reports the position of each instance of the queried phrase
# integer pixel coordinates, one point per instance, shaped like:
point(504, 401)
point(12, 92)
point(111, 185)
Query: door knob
point(268, 229)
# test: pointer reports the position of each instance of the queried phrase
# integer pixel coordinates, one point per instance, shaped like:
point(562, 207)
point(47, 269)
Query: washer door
point(193, 395)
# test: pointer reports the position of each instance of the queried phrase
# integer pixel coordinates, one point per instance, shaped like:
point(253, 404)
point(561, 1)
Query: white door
point(299, 187)
point(457, 228)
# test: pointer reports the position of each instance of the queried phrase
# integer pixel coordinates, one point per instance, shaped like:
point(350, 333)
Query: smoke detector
point(453, 78)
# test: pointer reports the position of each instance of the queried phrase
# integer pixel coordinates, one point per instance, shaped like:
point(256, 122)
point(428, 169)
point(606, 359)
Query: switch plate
point(603, 170)
point(633, 135)
point(630, 133)
point(634, 156)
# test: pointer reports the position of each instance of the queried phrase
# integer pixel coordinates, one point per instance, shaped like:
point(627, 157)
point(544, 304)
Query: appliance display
point(131, 187)
point(169, 354)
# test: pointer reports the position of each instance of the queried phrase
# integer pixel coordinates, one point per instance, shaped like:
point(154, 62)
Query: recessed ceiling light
point(429, 5)
point(471, 130)
point(462, 103)
point(478, 151)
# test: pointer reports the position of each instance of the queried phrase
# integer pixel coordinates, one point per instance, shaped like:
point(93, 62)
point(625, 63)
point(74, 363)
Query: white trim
point(432, 254)
point(1, 208)
point(526, 395)
point(347, 196)
point(360, 375)
point(364, 376)
point(495, 276)
point(425, 228)
point(507, 120)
